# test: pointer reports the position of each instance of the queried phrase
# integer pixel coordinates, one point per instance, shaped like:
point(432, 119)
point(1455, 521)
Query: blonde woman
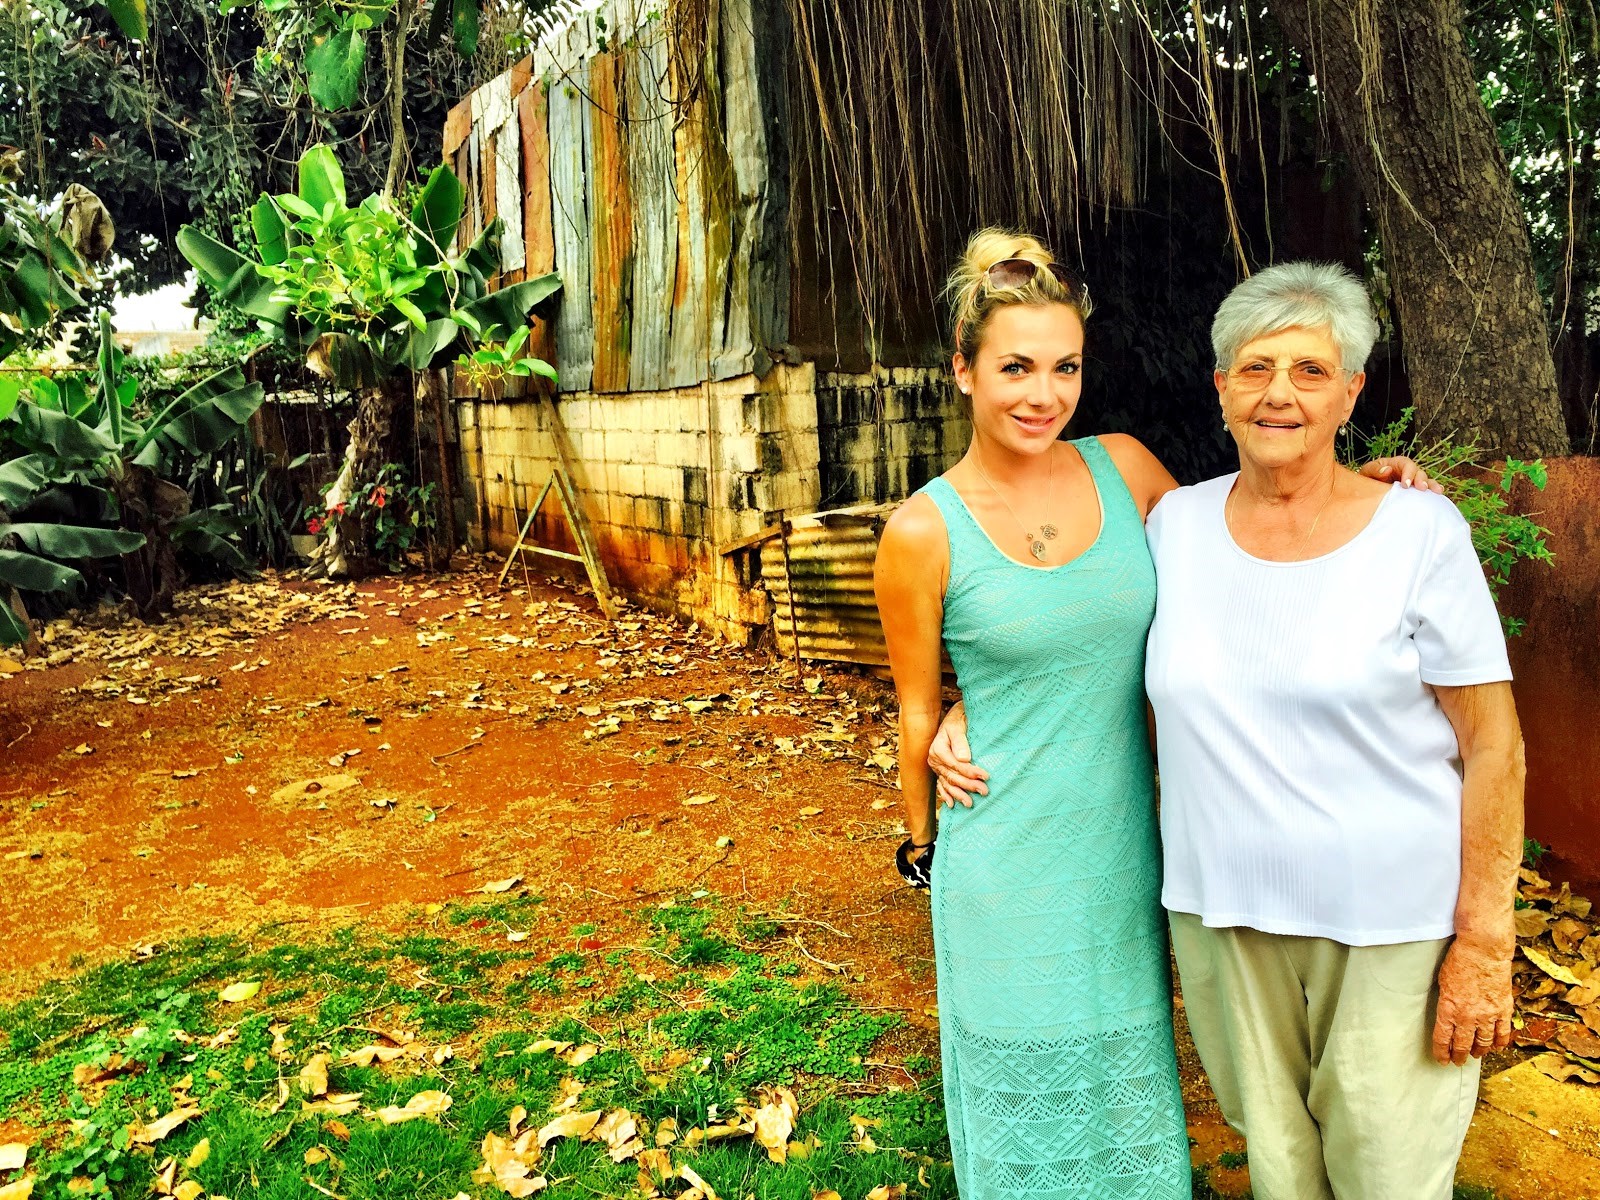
point(1028, 562)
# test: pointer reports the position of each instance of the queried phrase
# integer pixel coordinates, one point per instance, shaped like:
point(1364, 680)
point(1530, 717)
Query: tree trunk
point(1405, 101)
point(379, 435)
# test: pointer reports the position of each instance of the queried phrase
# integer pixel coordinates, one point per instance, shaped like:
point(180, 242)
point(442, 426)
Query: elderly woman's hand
point(951, 760)
point(1474, 1003)
point(1400, 469)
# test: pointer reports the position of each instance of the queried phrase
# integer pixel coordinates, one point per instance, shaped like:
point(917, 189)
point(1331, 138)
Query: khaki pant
point(1320, 1055)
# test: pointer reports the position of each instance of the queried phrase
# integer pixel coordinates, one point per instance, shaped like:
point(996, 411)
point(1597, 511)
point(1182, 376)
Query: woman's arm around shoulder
point(1141, 470)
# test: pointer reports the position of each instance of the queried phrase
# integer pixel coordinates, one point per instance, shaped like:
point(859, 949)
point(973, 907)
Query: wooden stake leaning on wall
point(560, 482)
point(788, 583)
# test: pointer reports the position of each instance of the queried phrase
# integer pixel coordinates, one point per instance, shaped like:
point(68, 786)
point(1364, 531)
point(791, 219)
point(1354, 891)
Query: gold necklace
point(1227, 508)
point(1047, 531)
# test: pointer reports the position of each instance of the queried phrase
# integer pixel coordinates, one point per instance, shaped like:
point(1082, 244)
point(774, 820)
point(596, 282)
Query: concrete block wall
point(884, 434)
point(666, 478)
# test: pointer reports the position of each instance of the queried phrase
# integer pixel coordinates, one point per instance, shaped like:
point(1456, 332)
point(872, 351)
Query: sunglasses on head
point(1019, 272)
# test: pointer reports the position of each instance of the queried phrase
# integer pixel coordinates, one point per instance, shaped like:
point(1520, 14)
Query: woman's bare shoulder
point(917, 526)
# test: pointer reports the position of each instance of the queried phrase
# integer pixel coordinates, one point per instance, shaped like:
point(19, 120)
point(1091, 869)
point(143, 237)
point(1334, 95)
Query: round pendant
point(1047, 531)
point(1038, 550)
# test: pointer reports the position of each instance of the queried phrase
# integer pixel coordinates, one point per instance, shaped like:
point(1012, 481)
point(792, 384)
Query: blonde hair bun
point(973, 302)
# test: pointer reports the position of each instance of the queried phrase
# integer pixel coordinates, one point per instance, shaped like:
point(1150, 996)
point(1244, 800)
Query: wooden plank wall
point(666, 217)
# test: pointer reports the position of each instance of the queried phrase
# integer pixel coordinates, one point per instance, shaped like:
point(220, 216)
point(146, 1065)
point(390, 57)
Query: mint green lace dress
point(1055, 1009)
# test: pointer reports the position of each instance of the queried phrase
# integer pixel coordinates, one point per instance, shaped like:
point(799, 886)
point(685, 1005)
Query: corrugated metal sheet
point(665, 215)
point(825, 593)
point(571, 153)
point(613, 223)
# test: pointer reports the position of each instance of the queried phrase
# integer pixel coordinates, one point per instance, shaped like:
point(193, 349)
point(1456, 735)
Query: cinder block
point(738, 454)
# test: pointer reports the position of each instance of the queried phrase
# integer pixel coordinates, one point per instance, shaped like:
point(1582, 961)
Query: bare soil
point(154, 784)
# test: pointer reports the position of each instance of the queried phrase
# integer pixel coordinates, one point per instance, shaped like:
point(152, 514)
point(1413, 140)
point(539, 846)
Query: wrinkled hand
point(1474, 1004)
point(951, 760)
point(1407, 472)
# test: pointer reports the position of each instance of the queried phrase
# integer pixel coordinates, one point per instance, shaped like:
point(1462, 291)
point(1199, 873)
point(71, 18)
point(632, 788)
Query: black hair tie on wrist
point(918, 873)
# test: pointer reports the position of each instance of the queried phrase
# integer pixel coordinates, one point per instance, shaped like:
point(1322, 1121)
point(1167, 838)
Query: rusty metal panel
point(655, 213)
point(825, 594)
point(457, 123)
point(613, 223)
point(496, 122)
point(688, 360)
point(571, 153)
point(537, 234)
point(752, 199)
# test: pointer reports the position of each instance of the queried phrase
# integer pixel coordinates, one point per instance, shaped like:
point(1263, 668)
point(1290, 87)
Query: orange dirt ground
point(148, 790)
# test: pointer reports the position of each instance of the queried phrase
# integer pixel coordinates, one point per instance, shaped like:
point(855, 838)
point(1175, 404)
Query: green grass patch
point(687, 1025)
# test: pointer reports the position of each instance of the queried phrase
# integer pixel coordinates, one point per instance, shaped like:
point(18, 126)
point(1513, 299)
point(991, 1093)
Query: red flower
point(379, 497)
point(336, 510)
point(314, 525)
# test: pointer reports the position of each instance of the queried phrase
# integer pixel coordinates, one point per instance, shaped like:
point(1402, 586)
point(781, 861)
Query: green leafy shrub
point(1501, 537)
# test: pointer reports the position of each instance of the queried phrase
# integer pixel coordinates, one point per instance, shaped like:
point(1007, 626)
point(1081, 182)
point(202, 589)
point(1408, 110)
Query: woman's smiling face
point(1285, 397)
point(1026, 377)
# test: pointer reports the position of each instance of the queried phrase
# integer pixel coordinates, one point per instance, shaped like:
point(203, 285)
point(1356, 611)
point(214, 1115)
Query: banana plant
point(369, 294)
point(366, 291)
point(83, 456)
point(39, 270)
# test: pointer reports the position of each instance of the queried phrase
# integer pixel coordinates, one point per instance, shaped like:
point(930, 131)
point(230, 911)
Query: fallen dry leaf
point(688, 1175)
point(1531, 922)
point(367, 1055)
point(148, 1135)
point(201, 1152)
point(774, 1122)
point(810, 812)
point(1560, 1067)
point(655, 1168)
point(580, 1054)
point(314, 1075)
point(509, 1165)
point(500, 885)
point(1536, 1031)
point(546, 1045)
point(19, 1189)
point(569, 1125)
point(423, 1104)
point(1579, 1040)
point(188, 1190)
point(13, 1156)
point(341, 1104)
point(324, 785)
point(1548, 965)
point(238, 993)
point(696, 801)
point(896, 1191)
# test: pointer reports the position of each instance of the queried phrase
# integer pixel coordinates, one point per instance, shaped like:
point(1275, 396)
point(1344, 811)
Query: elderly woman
point(1341, 772)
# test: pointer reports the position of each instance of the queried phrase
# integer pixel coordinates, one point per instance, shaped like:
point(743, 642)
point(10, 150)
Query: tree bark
point(1405, 101)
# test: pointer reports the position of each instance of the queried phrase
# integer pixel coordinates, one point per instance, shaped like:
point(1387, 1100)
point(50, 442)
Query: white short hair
point(1309, 295)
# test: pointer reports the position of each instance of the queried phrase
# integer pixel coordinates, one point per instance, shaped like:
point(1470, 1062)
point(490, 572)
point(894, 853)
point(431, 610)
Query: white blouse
point(1310, 782)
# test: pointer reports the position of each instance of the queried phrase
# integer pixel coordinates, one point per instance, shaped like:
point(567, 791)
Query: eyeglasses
point(1307, 375)
point(1020, 272)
